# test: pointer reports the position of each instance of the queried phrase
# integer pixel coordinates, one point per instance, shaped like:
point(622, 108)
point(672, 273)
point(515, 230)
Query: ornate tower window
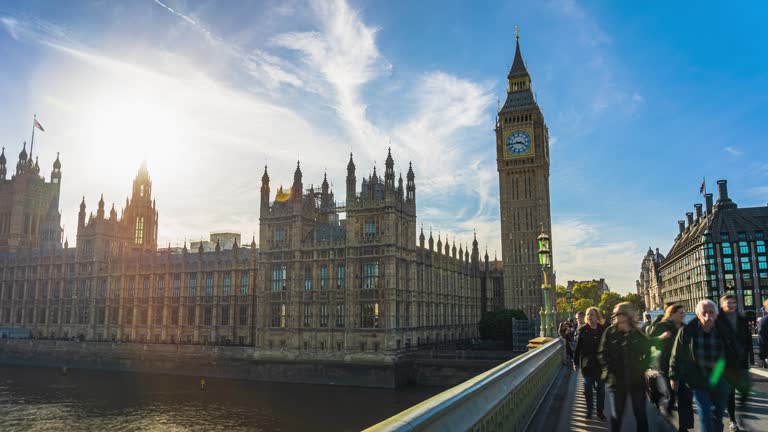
point(140, 230)
point(370, 275)
point(370, 229)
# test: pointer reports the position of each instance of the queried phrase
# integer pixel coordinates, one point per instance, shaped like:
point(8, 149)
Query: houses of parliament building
point(316, 283)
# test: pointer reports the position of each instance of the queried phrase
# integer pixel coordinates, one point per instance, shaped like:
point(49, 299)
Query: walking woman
point(663, 334)
point(624, 355)
point(585, 357)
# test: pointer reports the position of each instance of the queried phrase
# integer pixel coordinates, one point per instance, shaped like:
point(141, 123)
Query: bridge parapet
point(504, 398)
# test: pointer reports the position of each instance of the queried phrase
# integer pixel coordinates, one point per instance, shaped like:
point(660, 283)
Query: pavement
point(565, 409)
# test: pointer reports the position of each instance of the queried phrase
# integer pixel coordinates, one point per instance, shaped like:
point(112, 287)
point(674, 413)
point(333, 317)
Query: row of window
point(130, 315)
point(86, 285)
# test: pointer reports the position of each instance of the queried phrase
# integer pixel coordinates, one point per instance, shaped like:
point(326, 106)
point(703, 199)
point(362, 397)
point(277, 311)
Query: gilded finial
point(517, 32)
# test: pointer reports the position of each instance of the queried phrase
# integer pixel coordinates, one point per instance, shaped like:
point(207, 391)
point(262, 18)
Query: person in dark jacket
point(663, 335)
point(762, 336)
point(585, 357)
point(624, 355)
point(701, 352)
point(566, 332)
point(737, 377)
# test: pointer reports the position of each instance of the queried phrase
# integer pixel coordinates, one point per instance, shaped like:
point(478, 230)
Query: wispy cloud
point(581, 253)
point(733, 151)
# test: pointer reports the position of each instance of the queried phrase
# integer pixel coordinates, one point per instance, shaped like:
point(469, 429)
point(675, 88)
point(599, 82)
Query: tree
point(586, 290)
point(561, 292)
point(497, 325)
point(563, 305)
point(608, 301)
point(636, 300)
point(582, 304)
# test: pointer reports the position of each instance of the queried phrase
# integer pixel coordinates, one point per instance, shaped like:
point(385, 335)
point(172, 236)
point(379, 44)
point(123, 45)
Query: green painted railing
point(504, 398)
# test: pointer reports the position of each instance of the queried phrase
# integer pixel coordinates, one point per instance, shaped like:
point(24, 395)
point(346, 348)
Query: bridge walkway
point(573, 409)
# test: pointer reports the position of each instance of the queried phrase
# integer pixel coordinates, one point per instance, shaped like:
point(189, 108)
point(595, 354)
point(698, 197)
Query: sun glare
point(131, 126)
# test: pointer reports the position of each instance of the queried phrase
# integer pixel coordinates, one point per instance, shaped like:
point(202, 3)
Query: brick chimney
point(723, 202)
point(708, 200)
point(689, 218)
point(681, 225)
point(698, 210)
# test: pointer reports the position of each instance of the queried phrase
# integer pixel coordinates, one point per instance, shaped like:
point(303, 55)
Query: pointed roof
point(2, 157)
point(518, 65)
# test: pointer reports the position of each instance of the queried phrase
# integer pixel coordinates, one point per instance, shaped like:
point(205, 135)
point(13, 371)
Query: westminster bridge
point(536, 392)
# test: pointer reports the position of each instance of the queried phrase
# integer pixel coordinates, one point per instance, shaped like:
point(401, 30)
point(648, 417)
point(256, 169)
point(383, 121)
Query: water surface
point(42, 399)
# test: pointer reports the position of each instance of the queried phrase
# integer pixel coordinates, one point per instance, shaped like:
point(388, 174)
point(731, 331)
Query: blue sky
point(642, 100)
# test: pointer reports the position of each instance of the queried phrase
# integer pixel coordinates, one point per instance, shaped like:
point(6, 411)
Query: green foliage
point(583, 304)
point(563, 305)
point(497, 325)
point(586, 290)
point(636, 300)
point(608, 301)
point(561, 292)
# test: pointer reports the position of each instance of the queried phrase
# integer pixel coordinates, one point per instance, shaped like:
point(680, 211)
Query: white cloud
point(580, 253)
point(10, 25)
point(733, 151)
point(344, 52)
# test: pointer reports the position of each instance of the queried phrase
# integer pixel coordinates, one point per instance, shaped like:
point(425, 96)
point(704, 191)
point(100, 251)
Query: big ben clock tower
point(522, 158)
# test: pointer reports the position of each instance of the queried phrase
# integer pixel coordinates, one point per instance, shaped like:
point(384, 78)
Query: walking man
point(698, 358)
point(738, 376)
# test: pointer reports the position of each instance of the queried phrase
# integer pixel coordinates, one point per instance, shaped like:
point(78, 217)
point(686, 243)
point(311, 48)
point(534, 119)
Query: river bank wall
point(235, 362)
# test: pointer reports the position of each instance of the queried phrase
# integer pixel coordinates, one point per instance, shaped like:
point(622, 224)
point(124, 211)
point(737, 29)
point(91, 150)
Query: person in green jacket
point(702, 351)
point(624, 355)
point(663, 335)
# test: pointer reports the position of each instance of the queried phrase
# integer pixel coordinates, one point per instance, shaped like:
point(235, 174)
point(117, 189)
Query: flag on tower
point(39, 126)
point(703, 187)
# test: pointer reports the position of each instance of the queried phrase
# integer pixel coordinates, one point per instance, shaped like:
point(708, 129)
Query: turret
point(325, 197)
point(389, 171)
point(113, 213)
point(431, 241)
point(297, 188)
point(100, 210)
point(351, 186)
point(421, 238)
point(21, 165)
point(81, 215)
point(56, 172)
point(3, 171)
point(264, 192)
point(410, 186)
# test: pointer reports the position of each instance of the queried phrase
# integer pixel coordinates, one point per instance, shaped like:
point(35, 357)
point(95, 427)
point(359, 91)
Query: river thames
point(43, 399)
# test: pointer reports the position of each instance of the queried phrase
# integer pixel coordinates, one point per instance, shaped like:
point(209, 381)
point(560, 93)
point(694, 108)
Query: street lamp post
point(545, 261)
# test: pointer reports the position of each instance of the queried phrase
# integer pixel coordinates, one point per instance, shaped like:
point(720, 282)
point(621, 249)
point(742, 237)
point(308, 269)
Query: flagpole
point(32, 144)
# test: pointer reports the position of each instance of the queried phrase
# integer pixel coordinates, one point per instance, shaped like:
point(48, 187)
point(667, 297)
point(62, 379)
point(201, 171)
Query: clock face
point(518, 142)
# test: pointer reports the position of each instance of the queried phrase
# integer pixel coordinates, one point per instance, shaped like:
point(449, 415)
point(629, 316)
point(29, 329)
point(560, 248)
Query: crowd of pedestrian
point(667, 361)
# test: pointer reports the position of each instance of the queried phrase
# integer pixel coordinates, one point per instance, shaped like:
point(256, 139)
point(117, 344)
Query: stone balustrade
point(504, 398)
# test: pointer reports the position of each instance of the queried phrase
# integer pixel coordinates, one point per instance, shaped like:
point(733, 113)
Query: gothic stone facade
point(649, 284)
point(29, 206)
point(522, 154)
point(717, 252)
point(318, 285)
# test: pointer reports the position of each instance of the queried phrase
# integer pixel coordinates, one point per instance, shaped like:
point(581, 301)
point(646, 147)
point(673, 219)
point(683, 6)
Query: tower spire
point(518, 68)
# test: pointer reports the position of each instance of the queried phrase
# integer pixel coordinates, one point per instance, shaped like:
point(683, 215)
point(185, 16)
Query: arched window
point(140, 229)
